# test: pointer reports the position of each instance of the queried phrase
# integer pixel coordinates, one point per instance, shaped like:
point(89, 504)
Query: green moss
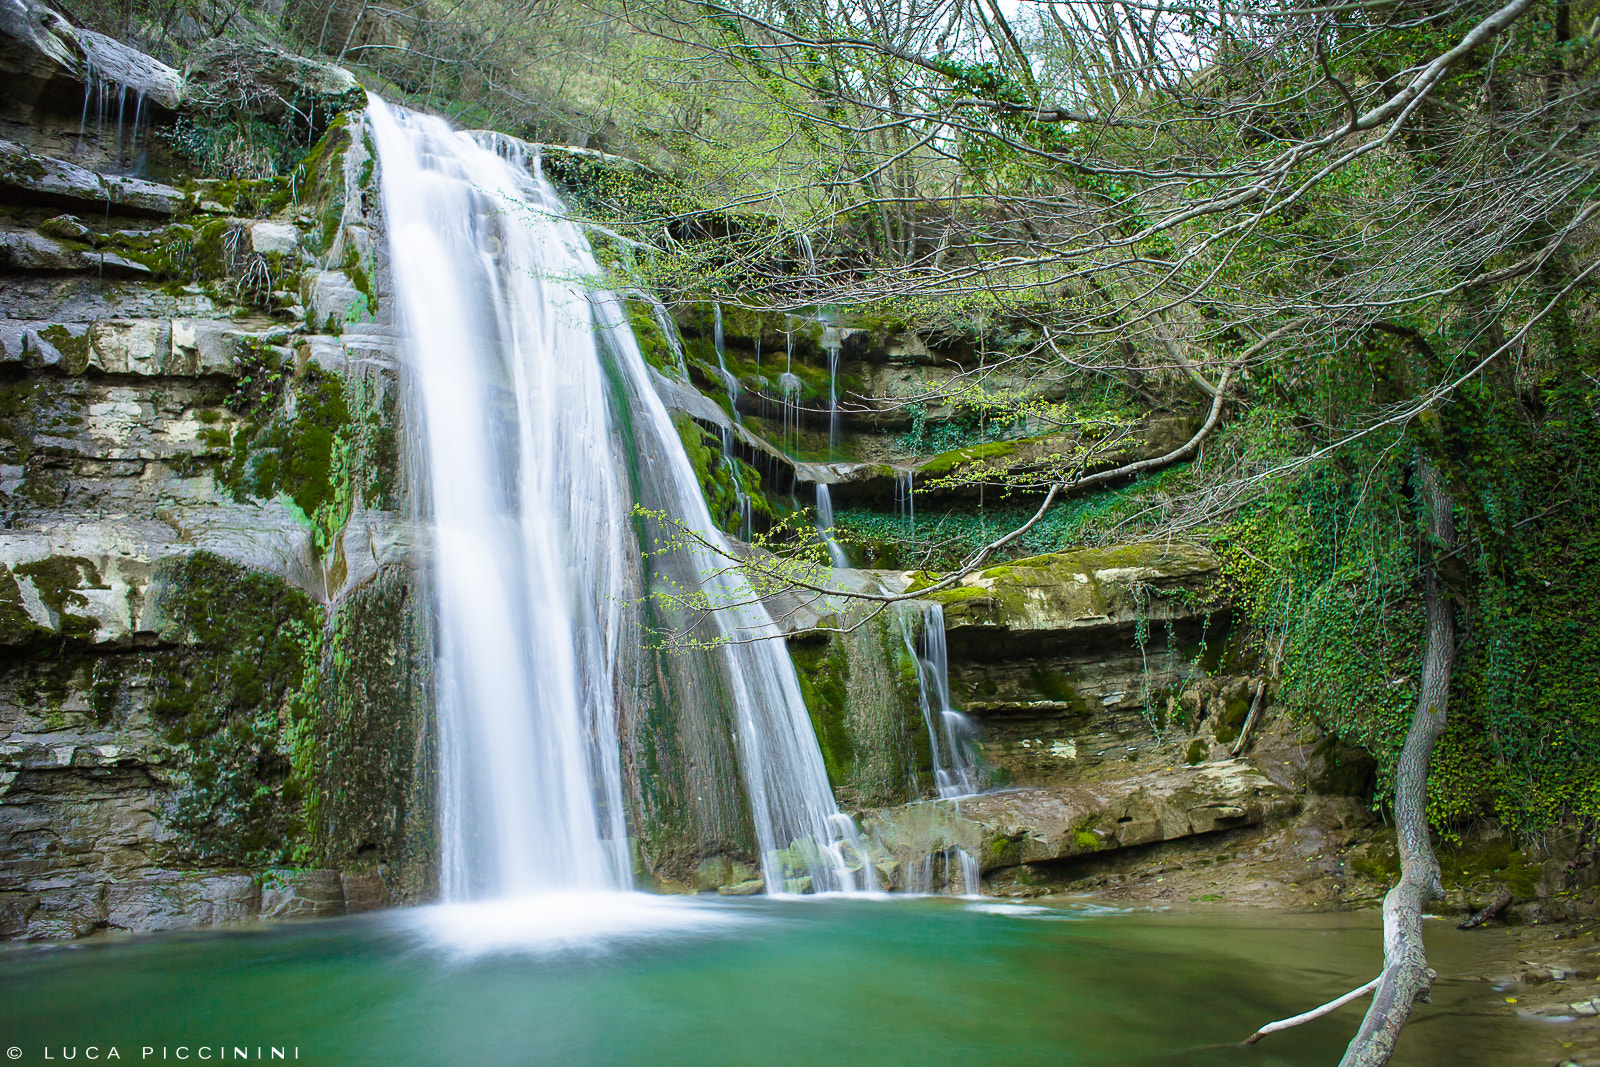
point(1380, 861)
point(1496, 859)
point(823, 673)
point(74, 348)
point(1197, 752)
point(719, 481)
point(958, 594)
point(58, 580)
point(16, 626)
point(231, 700)
point(308, 458)
point(653, 344)
point(946, 462)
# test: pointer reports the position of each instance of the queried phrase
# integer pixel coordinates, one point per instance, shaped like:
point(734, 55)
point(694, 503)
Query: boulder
point(26, 251)
point(45, 60)
point(234, 76)
point(1011, 827)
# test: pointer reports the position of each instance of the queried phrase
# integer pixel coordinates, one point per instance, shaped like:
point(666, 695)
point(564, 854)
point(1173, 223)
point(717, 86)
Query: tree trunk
point(1405, 964)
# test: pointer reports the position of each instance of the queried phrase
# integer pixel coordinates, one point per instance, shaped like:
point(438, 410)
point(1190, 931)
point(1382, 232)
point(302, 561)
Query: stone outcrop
point(1011, 827)
point(210, 662)
point(30, 178)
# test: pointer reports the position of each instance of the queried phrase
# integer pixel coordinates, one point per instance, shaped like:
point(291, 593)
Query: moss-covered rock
point(235, 699)
point(1078, 592)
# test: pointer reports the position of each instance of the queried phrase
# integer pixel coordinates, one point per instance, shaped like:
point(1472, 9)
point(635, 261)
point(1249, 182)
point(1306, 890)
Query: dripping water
point(836, 551)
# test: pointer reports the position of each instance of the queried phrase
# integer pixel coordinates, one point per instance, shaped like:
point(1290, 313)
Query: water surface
point(641, 980)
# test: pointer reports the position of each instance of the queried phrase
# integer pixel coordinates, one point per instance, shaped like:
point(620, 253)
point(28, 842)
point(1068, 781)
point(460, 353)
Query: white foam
point(568, 924)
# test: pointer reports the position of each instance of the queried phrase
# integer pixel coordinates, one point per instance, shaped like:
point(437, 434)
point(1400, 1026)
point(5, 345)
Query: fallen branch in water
point(1494, 908)
point(1314, 1013)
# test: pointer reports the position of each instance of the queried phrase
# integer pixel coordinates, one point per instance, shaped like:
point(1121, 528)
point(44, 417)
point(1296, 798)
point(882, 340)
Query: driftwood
point(1494, 907)
point(1250, 719)
point(1314, 1013)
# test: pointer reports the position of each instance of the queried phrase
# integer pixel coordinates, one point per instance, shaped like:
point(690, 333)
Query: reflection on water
point(625, 979)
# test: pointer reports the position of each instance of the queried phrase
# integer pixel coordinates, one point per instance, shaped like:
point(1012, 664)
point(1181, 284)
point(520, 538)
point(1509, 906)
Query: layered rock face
point(1108, 718)
point(209, 654)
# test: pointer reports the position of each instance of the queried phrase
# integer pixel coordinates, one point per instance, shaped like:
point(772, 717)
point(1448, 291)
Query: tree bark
point(1405, 963)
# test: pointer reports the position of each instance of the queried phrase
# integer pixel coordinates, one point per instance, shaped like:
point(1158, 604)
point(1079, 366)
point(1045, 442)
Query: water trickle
point(905, 504)
point(789, 387)
point(951, 737)
point(669, 330)
point(523, 383)
point(836, 551)
point(741, 499)
point(729, 382)
point(831, 344)
point(952, 870)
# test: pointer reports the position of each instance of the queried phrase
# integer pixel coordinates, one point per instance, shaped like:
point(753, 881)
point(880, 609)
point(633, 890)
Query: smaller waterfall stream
point(836, 551)
point(831, 344)
point(950, 733)
point(905, 504)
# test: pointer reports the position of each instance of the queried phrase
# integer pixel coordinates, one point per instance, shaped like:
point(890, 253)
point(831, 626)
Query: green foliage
point(1327, 565)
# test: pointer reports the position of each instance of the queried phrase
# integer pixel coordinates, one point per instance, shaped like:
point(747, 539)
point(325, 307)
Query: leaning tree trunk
point(1405, 965)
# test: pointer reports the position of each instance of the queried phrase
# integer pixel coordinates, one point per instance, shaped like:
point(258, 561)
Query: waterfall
point(807, 256)
point(825, 526)
point(789, 386)
point(523, 385)
point(526, 504)
point(950, 733)
point(904, 503)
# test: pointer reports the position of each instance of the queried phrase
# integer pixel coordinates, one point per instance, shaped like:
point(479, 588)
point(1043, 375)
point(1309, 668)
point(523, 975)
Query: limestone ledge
point(48, 180)
point(146, 348)
point(158, 899)
point(1017, 608)
point(1039, 825)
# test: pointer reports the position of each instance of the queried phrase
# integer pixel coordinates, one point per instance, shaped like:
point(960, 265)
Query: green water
point(735, 982)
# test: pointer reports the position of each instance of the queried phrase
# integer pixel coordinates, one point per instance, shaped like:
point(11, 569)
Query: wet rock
point(278, 237)
point(333, 302)
point(109, 60)
point(1012, 827)
point(748, 888)
point(175, 900)
point(26, 251)
point(38, 179)
point(1044, 602)
point(302, 895)
point(364, 891)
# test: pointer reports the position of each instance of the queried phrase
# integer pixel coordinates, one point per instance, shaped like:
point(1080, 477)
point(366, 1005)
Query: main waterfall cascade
point(521, 375)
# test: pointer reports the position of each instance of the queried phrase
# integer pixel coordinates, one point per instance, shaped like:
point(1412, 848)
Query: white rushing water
point(836, 553)
point(950, 733)
point(514, 364)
